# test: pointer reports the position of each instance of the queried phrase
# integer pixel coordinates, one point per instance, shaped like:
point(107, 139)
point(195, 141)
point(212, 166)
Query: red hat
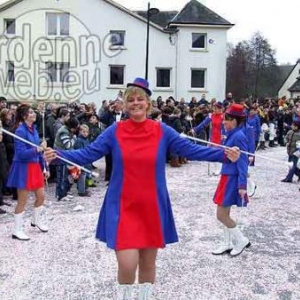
point(236, 110)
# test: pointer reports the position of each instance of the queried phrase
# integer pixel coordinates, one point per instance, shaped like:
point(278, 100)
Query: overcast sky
point(277, 20)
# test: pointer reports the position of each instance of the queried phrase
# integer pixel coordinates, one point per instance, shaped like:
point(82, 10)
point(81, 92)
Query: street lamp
point(150, 12)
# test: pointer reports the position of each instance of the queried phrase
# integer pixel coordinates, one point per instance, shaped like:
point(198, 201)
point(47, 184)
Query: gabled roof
point(296, 86)
point(8, 4)
point(285, 71)
point(193, 13)
point(196, 13)
point(162, 19)
point(288, 75)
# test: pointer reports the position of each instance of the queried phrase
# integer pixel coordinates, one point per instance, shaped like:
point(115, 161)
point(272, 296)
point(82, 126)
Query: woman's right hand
point(49, 154)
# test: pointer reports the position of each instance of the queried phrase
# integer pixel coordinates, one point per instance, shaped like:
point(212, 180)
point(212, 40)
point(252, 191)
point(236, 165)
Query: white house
point(62, 50)
point(291, 85)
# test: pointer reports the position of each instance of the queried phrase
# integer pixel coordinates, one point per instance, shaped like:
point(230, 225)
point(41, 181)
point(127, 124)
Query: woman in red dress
point(136, 217)
point(26, 173)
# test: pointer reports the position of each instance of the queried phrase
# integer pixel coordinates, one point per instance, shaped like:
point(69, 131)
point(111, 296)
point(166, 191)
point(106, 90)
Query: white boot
point(18, 231)
point(251, 187)
point(217, 169)
point(124, 292)
point(37, 221)
point(226, 246)
point(240, 241)
point(145, 291)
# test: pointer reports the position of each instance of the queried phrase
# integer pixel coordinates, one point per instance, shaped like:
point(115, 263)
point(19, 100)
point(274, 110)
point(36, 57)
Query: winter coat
point(292, 138)
point(3, 162)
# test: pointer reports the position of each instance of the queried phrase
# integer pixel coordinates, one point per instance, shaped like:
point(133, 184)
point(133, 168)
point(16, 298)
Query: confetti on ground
point(68, 263)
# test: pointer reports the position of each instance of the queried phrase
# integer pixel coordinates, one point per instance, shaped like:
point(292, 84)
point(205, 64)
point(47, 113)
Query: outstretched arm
point(183, 147)
point(100, 147)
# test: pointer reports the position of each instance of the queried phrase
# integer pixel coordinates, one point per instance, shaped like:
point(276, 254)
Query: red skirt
point(26, 176)
point(35, 177)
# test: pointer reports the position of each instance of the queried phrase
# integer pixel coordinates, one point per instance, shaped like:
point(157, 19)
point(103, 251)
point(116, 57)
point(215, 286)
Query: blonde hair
point(84, 127)
point(132, 90)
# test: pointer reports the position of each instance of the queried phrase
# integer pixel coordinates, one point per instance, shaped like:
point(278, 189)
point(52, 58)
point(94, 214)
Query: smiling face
point(137, 103)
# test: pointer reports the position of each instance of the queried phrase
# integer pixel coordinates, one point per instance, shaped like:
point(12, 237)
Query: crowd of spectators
point(276, 118)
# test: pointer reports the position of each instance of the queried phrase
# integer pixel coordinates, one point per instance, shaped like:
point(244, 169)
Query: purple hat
point(236, 110)
point(142, 84)
point(218, 104)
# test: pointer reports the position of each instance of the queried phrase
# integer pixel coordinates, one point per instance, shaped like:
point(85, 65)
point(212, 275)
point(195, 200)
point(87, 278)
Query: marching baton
point(226, 147)
point(42, 149)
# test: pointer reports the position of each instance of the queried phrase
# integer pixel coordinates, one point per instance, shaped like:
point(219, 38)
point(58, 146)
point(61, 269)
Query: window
point(10, 71)
point(57, 72)
point(10, 26)
point(163, 77)
point(199, 40)
point(198, 78)
point(117, 75)
point(117, 38)
point(57, 24)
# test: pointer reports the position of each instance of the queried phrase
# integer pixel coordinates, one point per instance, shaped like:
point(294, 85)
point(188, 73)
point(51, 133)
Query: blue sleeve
point(100, 147)
point(22, 150)
point(250, 135)
point(258, 128)
point(242, 162)
point(184, 147)
point(201, 126)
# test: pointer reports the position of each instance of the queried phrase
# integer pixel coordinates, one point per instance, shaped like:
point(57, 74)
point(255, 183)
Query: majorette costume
point(136, 212)
point(233, 178)
point(234, 175)
point(216, 128)
point(26, 171)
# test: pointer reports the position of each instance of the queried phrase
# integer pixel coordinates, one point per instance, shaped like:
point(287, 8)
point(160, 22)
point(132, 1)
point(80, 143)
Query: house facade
point(88, 50)
point(291, 85)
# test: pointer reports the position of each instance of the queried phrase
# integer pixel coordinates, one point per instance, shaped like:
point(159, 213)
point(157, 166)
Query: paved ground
point(68, 263)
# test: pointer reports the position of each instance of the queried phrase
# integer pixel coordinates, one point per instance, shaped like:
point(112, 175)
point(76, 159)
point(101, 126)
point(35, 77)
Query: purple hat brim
point(148, 92)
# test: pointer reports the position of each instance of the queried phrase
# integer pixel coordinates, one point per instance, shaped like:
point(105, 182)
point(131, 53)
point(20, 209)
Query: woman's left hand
point(242, 193)
point(233, 153)
point(46, 175)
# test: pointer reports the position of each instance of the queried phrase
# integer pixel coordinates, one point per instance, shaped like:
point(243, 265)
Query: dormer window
point(198, 40)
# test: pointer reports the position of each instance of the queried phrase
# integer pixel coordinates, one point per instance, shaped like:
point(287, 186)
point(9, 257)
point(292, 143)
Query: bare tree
point(252, 69)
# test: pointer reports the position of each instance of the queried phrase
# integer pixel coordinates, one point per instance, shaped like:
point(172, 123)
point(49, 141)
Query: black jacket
point(3, 162)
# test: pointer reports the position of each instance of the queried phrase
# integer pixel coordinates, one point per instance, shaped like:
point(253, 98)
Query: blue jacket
point(236, 137)
point(254, 122)
point(26, 153)
point(249, 133)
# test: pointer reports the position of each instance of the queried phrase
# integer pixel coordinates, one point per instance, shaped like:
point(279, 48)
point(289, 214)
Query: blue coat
point(22, 175)
point(237, 137)
point(136, 212)
point(234, 175)
point(254, 123)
